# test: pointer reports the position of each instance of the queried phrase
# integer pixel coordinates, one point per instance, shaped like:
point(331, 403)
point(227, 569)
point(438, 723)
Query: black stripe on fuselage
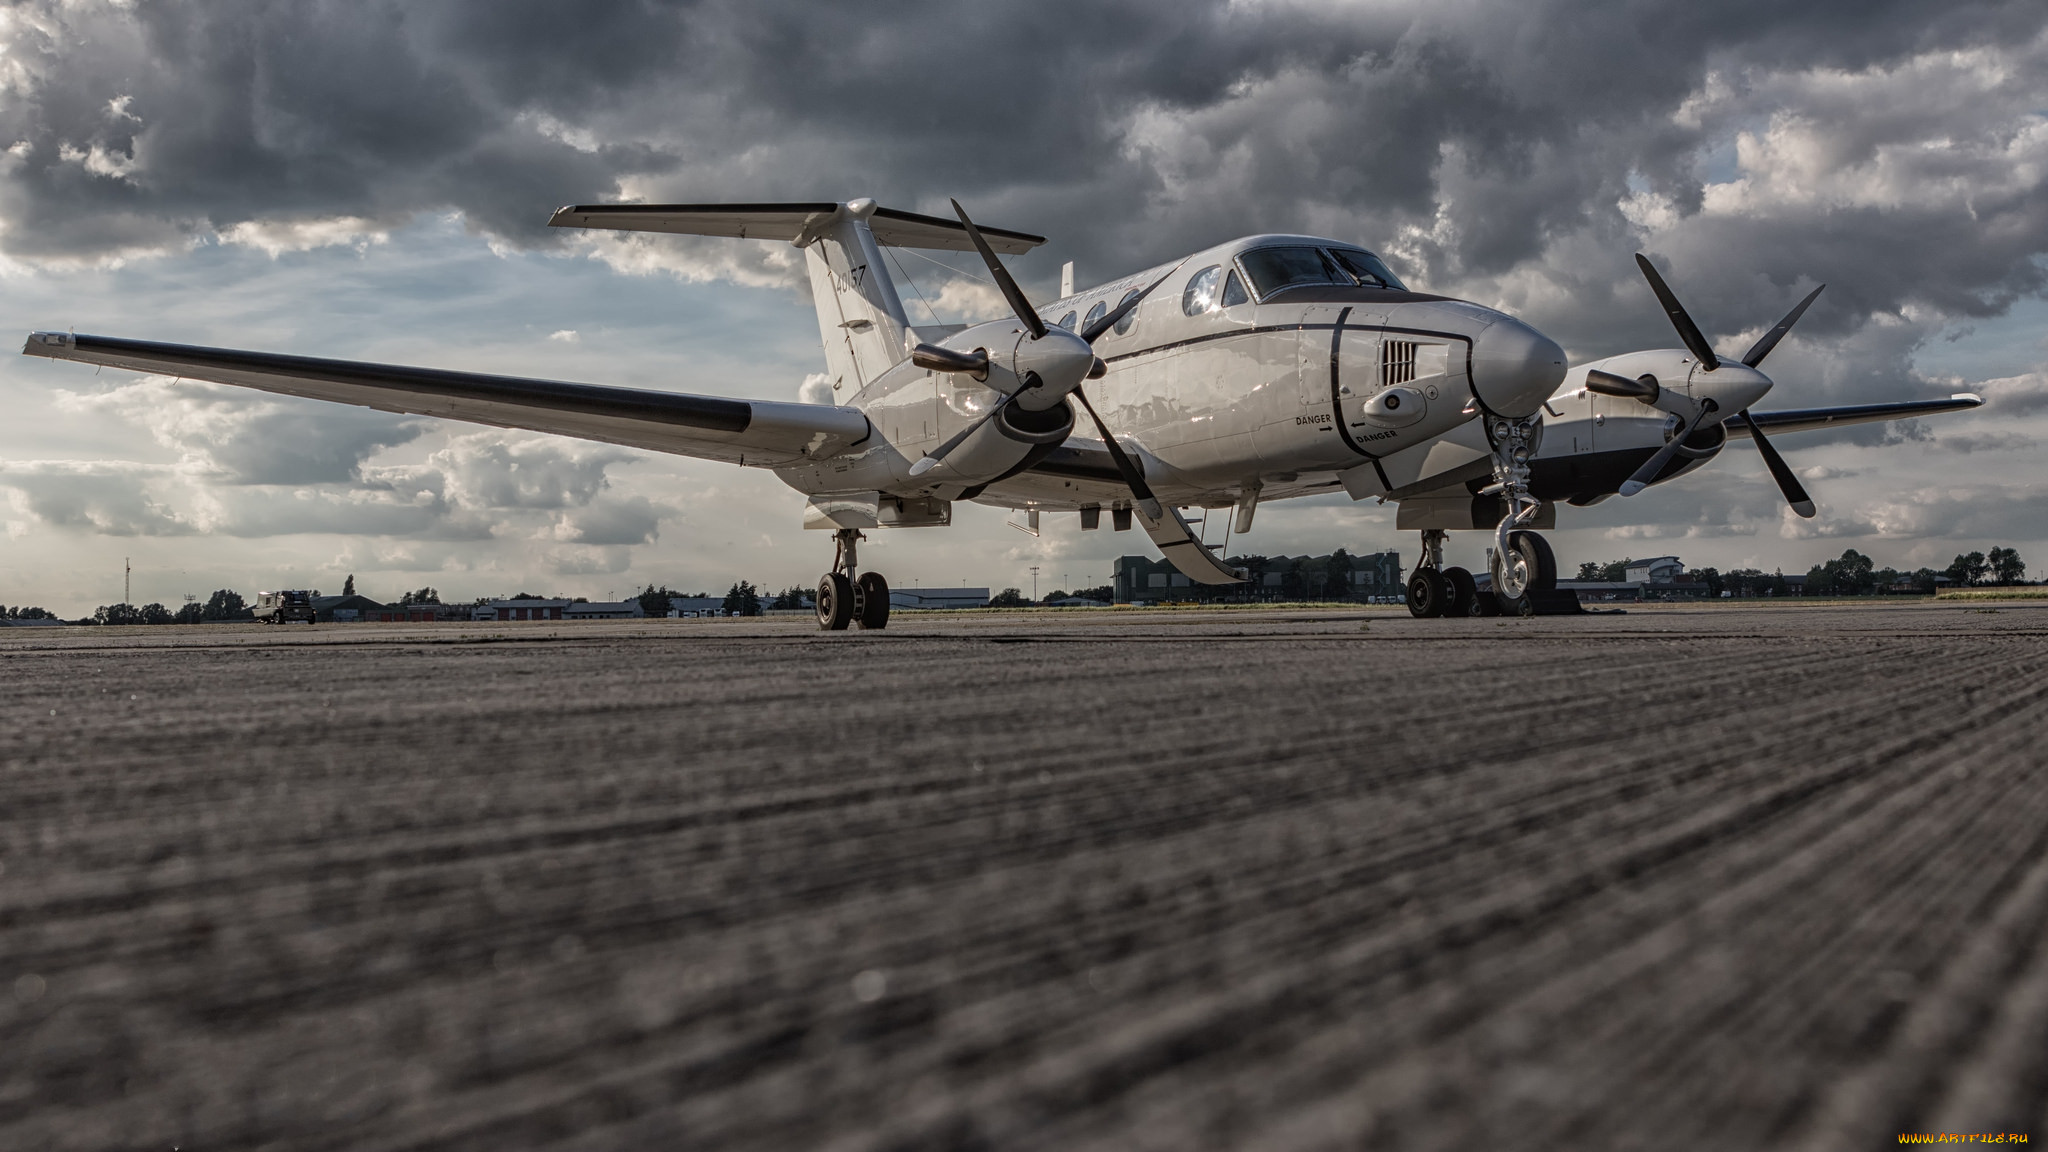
point(705, 412)
point(1264, 329)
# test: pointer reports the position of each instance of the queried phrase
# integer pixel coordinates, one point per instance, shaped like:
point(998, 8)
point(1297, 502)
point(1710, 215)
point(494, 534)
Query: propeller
point(1689, 332)
point(1795, 493)
point(933, 458)
point(1655, 464)
point(935, 358)
point(1769, 340)
point(1011, 292)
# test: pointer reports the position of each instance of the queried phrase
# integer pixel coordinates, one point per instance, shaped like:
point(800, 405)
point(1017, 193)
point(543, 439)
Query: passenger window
point(1067, 321)
point(1273, 269)
point(1368, 268)
point(1233, 292)
point(1201, 292)
point(1100, 310)
point(1124, 325)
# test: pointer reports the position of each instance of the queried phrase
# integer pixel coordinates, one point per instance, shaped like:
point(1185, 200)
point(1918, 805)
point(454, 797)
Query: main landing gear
point(1434, 590)
point(847, 595)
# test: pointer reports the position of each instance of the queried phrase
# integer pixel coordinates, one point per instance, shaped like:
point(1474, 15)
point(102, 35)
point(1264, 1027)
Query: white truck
point(285, 607)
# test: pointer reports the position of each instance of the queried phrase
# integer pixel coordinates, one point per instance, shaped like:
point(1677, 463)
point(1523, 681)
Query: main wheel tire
point(835, 602)
point(874, 600)
point(1487, 604)
point(1426, 593)
point(1461, 593)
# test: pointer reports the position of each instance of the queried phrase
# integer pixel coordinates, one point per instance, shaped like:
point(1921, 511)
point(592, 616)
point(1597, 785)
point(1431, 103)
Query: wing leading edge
point(753, 432)
point(1808, 419)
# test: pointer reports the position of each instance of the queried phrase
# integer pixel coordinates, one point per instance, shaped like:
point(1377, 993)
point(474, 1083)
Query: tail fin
point(860, 316)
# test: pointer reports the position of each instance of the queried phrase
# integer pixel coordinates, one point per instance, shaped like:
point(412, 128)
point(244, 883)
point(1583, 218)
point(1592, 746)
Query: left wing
point(756, 432)
point(1807, 419)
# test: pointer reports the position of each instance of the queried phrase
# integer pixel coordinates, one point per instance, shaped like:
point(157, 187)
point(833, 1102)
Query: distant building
point(603, 610)
point(519, 610)
point(938, 597)
point(688, 606)
point(1655, 570)
point(1656, 578)
point(1371, 578)
point(343, 609)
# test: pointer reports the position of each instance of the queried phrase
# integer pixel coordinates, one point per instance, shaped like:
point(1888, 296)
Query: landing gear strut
point(1514, 570)
point(1434, 590)
point(847, 595)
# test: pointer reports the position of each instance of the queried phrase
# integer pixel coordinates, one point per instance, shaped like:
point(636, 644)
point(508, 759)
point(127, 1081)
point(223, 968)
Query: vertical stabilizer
point(860, 317)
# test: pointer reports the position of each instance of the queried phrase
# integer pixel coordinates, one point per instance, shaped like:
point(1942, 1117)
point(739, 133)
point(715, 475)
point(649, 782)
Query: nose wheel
point(847, 596)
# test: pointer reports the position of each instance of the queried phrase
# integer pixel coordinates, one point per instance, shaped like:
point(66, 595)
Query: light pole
point(1034, 583)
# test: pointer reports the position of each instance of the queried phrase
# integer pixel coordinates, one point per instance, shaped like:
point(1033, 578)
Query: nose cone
point(1733, 386)
point(1515, 368)
point(1060, 359)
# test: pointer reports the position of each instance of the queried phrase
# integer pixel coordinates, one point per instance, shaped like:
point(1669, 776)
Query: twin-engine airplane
point(1265, 368)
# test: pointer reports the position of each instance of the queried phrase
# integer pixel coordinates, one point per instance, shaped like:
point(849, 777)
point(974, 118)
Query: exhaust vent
point(1397, 362)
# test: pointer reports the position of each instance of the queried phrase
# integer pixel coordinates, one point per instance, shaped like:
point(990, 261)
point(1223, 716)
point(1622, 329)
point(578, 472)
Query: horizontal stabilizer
point(1808, 419)
point(890, 226)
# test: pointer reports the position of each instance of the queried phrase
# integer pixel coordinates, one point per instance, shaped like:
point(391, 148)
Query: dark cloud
point(1517, 153)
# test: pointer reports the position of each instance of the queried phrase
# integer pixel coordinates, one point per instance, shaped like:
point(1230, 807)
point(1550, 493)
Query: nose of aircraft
point(1515, 368)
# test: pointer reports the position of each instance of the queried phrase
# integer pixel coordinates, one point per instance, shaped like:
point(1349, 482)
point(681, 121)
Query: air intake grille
point(1397, 362)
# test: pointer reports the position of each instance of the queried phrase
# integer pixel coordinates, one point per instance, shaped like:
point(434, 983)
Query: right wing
point(756, 432)
point(890, 226)
point(1807, 419)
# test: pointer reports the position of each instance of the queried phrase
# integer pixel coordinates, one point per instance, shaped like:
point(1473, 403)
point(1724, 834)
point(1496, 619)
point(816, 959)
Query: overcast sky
point(372, 180)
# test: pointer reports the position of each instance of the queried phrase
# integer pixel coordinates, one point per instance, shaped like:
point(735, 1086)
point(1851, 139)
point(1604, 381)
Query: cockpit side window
point(1370, 271)
point(1200, 296)
point(1233, 292)
point(1273, 269)
point(1096, 313)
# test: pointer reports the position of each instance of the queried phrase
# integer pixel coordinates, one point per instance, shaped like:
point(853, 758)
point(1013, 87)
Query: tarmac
point(1705, 877)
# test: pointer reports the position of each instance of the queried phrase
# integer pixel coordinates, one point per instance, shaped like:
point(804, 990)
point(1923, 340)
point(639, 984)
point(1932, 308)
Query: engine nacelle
point(1014, 440)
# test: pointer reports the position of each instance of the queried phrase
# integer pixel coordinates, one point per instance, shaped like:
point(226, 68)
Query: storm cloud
point(1512, 153)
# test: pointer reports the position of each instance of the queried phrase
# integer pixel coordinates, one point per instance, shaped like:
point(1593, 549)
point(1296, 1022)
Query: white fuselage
point(1240, 385)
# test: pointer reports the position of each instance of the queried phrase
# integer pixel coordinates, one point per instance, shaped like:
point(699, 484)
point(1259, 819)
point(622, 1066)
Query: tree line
point(1850, 574)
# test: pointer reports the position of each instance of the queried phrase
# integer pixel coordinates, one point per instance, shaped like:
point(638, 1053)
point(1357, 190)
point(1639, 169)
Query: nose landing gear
point(847, 595)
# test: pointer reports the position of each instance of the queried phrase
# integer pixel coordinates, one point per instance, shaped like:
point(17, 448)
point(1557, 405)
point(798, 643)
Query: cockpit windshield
point(1368, 268)
point(1272, 269)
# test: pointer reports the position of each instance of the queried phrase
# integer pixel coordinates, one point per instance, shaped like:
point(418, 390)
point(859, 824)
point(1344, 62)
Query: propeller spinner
point(1647, 390)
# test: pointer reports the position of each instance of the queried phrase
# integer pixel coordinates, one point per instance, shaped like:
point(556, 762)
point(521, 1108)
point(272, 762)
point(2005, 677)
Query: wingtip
point(1972, 397)
point(47, 343)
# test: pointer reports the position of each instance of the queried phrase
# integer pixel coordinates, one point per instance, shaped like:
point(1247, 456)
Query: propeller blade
point(1642, 388)
point(1795, 494)
point(933, 458)
point(1133, 479)
point(1648, 472)
point(937, 359)
point(1011, 292)
point(1769, 340)
point(1094, 331)
point(1688, 331)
